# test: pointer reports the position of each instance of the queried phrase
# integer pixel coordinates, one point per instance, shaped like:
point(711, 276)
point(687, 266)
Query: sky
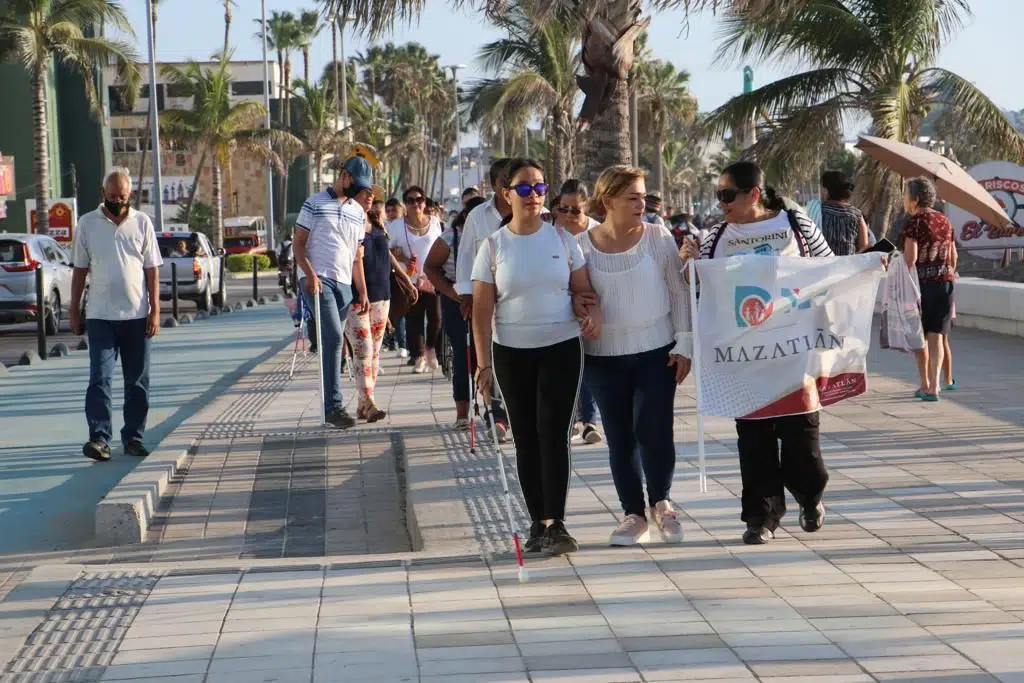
point(981, 52)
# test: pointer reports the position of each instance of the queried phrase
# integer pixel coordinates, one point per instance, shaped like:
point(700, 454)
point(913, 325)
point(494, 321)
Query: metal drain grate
point(78, 638)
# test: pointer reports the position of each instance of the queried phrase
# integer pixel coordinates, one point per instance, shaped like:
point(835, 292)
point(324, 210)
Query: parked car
point(199, 268)
point(19, 256)
point(245, 244)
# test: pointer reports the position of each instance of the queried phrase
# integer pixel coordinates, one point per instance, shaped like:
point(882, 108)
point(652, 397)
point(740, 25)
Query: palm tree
point(307, 28)
point(536, 66)
point(34, 33)
point(664, 99)
point(864, 57)
point(227, 25)
point(316, 129)
point(218, 126)
point(282, 37)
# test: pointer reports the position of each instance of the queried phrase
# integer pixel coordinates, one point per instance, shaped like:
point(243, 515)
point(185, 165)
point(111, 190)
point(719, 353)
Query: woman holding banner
point(643, 352)
point(756, 222)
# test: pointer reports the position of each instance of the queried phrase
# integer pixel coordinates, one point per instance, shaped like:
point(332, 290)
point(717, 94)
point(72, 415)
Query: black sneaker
point(757, 535)
point(590, 434)
point(811, 519)
point(340, 418)
point(535, 543)
point(96, 450)
point(557, 540)
point(136, 449)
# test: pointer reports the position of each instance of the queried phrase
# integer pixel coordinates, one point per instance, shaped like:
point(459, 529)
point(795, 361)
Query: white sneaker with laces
point(633, 530)
point(421, 366)
point(432, 362)
point(667, 521)
point(403, 353)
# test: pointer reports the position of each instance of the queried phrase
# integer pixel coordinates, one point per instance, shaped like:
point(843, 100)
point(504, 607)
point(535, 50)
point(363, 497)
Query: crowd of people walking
point(568, 312)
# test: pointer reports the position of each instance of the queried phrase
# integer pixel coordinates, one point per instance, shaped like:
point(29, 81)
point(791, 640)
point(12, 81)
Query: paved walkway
point(281, 556)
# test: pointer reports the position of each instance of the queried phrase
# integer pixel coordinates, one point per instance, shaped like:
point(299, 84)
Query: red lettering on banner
point(970, 231)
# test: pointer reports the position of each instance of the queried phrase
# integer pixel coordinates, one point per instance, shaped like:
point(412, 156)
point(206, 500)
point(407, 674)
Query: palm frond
point(973, 111)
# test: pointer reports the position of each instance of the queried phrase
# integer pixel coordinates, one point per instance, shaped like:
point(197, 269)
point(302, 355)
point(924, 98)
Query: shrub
point(242, 263)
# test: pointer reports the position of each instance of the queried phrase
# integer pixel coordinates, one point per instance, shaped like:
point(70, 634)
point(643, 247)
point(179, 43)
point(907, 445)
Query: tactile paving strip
point(480, 482)
point(82, 631)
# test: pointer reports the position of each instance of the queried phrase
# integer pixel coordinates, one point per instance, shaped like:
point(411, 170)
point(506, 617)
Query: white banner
point(782, 335)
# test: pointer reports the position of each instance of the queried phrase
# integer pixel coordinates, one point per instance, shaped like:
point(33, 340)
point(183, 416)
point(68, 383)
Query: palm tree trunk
point(659, 161)
point(286, 117)
point(305, 64)
point(227, 27)
point(218, 208)
point(148, 130)
point(42, 149)
point(337, 71)
point(195, 184)
point(606, 143)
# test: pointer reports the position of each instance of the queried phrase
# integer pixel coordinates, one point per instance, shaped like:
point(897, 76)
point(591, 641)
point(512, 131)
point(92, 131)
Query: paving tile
point(472, 666)
point(687, 642)
point(588, 676)
point(260, 663)
point(802, 668)
point(275, 676)
point(465, 639)
point(572, 662)
point(133, 672)
point(468, 652)
point(917, 663)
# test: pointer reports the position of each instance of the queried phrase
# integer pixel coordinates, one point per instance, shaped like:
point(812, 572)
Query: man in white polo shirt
point(481, 223)
point(116, 248)
point(328, 248)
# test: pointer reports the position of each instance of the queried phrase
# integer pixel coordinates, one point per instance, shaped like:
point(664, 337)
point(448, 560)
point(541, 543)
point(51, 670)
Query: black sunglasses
point(728, 195)
point(565, 209)
point(524, 189)
point(415, 200)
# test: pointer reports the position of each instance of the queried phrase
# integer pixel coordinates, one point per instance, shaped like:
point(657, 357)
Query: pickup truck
point(198, 265)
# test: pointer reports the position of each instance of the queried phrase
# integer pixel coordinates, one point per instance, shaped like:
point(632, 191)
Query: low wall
point(990, 305)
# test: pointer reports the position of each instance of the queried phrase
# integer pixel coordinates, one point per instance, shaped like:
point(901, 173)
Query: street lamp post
point(154, 123)
point(458, 128)
point(341, 22)
point(268, 213)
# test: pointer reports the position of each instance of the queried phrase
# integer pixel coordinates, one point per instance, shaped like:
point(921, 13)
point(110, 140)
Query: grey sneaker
point(667, 521)
point(136, 449)
point(558, 541)
point(633, 530)
point(591, 435)
point(340, 419)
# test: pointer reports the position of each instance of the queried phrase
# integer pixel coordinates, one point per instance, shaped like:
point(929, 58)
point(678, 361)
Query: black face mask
point(115, 208)
point(351, 191)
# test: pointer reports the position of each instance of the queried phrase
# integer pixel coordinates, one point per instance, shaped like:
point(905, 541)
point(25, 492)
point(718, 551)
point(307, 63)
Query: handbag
point(403, 297)
point(423, 283)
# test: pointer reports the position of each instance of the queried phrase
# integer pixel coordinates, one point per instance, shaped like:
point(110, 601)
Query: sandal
point(362, 411)
point(373, 414)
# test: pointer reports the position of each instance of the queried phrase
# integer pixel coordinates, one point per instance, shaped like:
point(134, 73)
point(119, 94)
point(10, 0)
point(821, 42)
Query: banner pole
point(696, 376)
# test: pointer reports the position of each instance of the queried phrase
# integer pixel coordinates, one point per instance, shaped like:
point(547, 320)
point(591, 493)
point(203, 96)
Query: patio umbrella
point(952, 182)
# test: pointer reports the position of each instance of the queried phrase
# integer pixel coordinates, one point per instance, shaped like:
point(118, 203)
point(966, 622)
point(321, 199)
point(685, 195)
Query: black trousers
point(427, 306)
point(540, 387)
point(766, 470)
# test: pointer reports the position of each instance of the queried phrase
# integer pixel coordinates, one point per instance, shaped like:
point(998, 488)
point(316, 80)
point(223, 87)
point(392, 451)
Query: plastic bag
point(901, 328)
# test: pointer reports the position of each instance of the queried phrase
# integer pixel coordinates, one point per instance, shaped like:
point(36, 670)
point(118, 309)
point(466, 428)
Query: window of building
point(177, 90)
point(125, 139)
point(118, 99)
point(247, 87)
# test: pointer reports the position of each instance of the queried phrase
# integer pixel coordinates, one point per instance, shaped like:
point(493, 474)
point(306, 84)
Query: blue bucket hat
point(362, 174)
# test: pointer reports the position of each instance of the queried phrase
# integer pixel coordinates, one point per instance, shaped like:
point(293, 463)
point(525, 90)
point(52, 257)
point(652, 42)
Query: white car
point(198, 267)
point(20, 254)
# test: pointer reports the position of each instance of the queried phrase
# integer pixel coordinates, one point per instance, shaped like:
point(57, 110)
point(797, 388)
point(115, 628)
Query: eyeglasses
point(415, 200)
point(524, 189)
point(729, 194)
point(565, 209)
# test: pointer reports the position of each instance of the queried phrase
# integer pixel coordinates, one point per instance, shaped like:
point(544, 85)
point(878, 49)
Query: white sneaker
point(421, 366)
point(461, 424)
point(667, 521)
point(403, 353)
point(576, 428)
point(432, 362)
point(631, 531)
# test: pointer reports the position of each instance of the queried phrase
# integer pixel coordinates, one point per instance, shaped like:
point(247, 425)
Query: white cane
point(696, 376)
point(320, 348)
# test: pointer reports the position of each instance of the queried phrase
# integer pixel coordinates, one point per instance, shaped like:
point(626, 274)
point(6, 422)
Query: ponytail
point(772, 201)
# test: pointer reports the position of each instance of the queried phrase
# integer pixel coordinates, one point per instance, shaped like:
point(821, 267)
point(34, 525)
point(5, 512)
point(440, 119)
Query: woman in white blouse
point(642, 354)
point(527, 338)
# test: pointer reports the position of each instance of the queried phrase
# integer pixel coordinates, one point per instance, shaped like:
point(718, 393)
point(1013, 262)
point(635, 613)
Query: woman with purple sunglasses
point(524, 277)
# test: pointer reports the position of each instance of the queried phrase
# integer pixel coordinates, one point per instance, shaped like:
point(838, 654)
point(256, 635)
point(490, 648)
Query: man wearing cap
point(329, 250)
point(652, 205)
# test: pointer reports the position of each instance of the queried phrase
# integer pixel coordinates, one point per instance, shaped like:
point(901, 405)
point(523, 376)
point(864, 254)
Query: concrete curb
point(124, 515)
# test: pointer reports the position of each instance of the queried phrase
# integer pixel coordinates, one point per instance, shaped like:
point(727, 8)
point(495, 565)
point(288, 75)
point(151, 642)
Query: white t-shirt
point(412, 244)
point(531, 274)
point(336, 229)
point(481, 223)
point(773, 236)
point(116, 256)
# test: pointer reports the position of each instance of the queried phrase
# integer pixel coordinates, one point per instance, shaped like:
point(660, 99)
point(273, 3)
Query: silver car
point(19, 256)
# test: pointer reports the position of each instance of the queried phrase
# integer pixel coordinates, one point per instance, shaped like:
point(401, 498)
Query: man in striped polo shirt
point(329, 250)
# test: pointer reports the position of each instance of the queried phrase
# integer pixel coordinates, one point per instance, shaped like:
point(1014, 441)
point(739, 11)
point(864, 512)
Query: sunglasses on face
point(415, 200)
point(566, 210)
point(728, 195)
point(524, 189)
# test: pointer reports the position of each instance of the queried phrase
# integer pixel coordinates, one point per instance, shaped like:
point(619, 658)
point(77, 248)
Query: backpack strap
point(716, 235)
point(564, 236)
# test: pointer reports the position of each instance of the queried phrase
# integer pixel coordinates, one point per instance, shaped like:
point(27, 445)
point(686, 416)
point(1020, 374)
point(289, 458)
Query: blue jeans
point(400, 334)
point(109, 339)
point(636, 395)
point(455, 329)
point(587, 406)
point(335, 298)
